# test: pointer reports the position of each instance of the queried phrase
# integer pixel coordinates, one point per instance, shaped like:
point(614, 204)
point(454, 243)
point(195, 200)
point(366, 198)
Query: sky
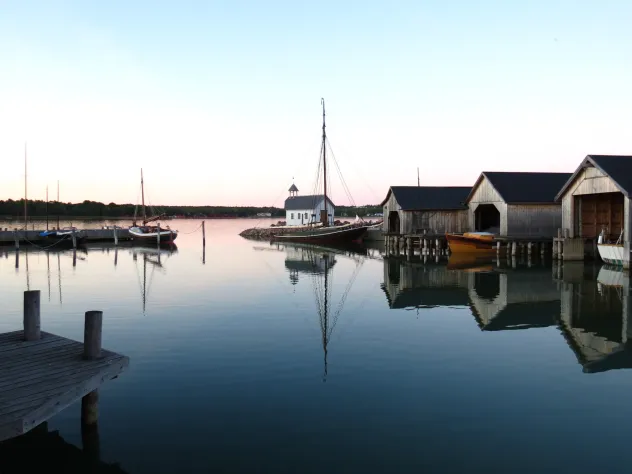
point(219, 102)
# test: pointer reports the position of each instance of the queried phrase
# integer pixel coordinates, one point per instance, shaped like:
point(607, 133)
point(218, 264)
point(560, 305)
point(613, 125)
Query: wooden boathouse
point(425, 213)
point(596, 197)
point(433, 209)
point(516, 204)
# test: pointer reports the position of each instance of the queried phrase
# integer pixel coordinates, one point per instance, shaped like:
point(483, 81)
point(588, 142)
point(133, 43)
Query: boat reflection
point(152, 257)
point(318, 262)
point(589, 305)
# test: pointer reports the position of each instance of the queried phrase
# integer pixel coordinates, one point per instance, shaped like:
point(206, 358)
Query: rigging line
point(366, 183)
point(342, 179)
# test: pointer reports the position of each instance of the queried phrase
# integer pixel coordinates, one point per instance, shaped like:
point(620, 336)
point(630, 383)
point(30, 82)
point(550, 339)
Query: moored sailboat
point(325, 232)
point(150, 233)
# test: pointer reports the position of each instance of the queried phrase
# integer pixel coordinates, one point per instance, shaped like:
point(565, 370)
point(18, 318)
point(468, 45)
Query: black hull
point(325, 236)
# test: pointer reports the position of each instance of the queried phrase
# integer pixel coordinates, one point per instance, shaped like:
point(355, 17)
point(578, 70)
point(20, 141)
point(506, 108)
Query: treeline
point(93, 209)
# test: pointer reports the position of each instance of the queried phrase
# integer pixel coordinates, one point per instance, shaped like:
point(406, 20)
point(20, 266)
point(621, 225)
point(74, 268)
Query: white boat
point(613, 253)
point(150, 233)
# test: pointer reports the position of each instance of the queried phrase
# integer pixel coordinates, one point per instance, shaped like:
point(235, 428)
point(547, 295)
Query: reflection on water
point(589, 307)
point(427, 360)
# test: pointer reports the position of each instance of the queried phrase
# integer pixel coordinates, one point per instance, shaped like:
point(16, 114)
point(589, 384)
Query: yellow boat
point(471, 242)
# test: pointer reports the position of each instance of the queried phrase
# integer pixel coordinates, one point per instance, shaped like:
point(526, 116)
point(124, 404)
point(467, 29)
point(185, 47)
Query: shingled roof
point(300, 203)
point(517, 187)
point(617, 167)
point(421, 198)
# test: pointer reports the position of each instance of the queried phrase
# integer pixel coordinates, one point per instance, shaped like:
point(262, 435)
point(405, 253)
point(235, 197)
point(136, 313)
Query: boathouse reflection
point(589, 305)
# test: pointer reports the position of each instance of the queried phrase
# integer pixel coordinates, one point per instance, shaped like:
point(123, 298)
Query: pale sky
point(219, 102)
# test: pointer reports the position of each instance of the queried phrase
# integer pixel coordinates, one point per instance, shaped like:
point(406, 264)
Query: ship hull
point(328, 235)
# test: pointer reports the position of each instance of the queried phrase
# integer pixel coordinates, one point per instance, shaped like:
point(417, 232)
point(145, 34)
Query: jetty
point(42, 373)
point(106, 234)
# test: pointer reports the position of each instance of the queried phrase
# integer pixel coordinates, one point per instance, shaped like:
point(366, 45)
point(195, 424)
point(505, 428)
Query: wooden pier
point(16, 237)
point(42, 373)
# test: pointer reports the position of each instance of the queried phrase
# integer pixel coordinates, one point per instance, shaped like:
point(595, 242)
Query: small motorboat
point(612, 253)
point(471, 242)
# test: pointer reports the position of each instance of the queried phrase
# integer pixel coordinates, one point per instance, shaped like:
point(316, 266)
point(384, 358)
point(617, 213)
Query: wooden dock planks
point(40, 378)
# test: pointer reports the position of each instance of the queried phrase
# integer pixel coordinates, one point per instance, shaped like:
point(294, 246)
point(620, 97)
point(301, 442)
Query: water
point(427, 368)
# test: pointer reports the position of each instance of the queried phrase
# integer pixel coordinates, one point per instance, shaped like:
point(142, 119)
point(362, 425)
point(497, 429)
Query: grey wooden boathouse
point(433, 209)
point(597, 196)
point(516, 204)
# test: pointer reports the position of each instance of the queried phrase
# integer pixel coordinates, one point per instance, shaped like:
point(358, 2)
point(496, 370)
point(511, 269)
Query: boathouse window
point(291, 215)
point(306, 215)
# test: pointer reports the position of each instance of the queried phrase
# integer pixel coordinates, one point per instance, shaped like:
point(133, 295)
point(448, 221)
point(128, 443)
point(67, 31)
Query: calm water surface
point(251, 357)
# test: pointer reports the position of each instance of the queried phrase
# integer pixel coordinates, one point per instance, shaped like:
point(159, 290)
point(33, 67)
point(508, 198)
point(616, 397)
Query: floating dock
point(42, 373)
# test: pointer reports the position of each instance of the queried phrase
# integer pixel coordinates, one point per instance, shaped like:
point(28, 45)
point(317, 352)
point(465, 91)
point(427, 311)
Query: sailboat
point(325, 233)
point(150, 233)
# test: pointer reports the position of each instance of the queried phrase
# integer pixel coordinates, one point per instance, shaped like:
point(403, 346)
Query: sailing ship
point(150, 233)
point(612, 253)
point(325, 232)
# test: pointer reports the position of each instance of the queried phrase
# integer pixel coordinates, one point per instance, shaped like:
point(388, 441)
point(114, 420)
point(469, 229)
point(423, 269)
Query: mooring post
point(74, 239)
point(92, 334)
point(529, 248)
point(32, 315)
point(17, 239)
point(203, 234)
point(514, 248)
point(74, 257)
point(158, 236)
point(115, 236)
point(90, 425)
point(498, 248)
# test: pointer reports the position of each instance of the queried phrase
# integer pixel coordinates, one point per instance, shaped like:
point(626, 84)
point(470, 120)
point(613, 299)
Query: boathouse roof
point(518, 187)
point(296, 203)
point(538, 314)
point(617, 167)
point(421, 198)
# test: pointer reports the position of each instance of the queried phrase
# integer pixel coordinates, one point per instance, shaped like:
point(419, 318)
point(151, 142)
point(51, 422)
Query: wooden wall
point(485, 193)
point(433, 222)
point(390, 205)
point(533, 220)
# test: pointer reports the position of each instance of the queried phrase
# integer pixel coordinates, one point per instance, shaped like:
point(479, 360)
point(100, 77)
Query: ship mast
point(142, 191)
point(326, 221)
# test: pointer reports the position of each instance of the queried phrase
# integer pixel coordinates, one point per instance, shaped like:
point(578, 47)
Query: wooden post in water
point(74, 239)
point(17, 239)
point(158, 236)
point(32, 315)
point(115, 236)
point(90, 426)
point(74, 257)
point(92, 335)
point(203, 234)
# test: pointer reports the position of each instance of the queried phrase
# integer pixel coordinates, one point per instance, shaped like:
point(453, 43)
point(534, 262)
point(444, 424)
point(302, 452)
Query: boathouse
point(516, 204)
point(596, 197)
point(304, 210)
point(433, 209)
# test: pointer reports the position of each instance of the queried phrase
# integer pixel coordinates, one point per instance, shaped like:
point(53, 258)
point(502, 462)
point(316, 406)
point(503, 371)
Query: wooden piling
point(529, 248)
point(514, 248)
point(74, 240)
point(203, 234)
point(498, 248)
point(92, 334)
point(158, 236)
point(90, 426)
point(74, 257)
point(17, 239)
point(115, 236)
point(32, 315)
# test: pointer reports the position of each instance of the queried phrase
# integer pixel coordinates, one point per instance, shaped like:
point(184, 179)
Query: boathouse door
point(393, 222)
